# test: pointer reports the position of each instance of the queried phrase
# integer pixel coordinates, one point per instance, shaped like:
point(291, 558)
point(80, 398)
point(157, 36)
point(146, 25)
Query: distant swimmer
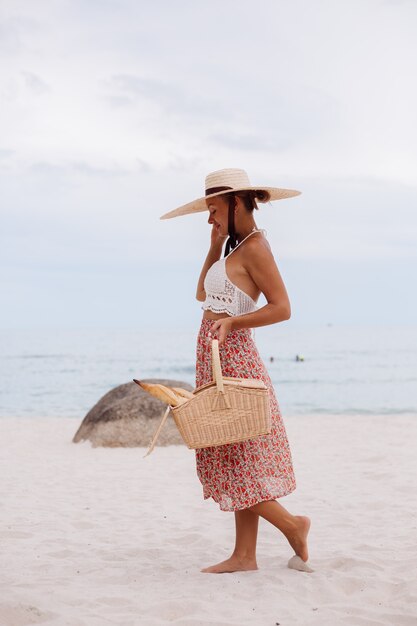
point(299, 357)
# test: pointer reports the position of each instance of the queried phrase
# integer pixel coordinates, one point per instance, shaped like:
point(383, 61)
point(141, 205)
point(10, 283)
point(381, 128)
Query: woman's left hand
point(222, 326)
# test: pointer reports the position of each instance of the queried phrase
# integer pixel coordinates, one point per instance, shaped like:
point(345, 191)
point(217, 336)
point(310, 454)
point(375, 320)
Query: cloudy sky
point(113, 112)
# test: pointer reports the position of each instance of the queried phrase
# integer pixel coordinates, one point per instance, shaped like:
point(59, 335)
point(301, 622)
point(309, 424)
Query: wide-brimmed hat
point(225, 181)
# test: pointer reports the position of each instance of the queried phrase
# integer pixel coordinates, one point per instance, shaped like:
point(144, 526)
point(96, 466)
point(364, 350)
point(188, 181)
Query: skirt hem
point(252, 501)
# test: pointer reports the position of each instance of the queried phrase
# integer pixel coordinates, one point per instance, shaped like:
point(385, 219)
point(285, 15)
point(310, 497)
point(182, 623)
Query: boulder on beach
point(129, 416)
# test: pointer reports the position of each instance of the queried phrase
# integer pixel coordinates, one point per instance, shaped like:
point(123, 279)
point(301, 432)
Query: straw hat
point(223, 181)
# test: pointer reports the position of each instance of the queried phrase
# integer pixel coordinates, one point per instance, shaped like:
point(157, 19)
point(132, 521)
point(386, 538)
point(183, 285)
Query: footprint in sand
point(23, 614)
point(347, 563)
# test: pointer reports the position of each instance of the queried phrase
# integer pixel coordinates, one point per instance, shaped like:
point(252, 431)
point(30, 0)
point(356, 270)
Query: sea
point(326, 369)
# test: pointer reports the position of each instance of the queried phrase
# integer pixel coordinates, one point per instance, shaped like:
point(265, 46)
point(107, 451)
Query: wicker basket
point(226, 410)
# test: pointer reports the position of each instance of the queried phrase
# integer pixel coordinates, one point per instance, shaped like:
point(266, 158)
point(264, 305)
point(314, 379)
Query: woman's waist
point(207, 323)
point(212, 315)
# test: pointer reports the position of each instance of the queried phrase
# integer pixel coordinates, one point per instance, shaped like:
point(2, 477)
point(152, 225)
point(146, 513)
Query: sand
point(97, 536)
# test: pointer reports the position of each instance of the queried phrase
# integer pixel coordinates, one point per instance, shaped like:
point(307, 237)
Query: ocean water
point(346, 369)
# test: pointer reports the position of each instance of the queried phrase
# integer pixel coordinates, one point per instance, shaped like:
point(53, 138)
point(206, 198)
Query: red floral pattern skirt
point(239, 475)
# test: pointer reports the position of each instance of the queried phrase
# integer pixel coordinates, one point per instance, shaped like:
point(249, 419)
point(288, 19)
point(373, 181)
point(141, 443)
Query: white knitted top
point(222, 296)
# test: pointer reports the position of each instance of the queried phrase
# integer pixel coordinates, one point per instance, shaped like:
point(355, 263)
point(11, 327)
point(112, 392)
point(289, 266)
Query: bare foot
point(233, 564)
point(298, 537)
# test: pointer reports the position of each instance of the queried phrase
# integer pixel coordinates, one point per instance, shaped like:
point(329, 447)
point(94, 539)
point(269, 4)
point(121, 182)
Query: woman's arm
point(213, 255)
point(260, 264)
point(268, 314)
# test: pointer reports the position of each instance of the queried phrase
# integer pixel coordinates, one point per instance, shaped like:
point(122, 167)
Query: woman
point(245, 477)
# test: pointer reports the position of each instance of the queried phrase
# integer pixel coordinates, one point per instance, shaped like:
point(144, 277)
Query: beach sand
point(97, 536)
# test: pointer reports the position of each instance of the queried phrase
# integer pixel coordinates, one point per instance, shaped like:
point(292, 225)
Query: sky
point(113, 112)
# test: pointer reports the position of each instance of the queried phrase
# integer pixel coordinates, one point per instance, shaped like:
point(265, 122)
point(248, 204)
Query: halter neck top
point(222, 296)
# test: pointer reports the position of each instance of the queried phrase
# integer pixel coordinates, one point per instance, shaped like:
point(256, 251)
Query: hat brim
point(275, 193)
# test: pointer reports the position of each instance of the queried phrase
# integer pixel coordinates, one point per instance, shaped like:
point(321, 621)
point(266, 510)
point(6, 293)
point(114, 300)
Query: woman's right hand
point(217, 239)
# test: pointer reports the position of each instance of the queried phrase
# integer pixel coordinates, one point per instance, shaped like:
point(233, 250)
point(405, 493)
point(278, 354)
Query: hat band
point(216, 190)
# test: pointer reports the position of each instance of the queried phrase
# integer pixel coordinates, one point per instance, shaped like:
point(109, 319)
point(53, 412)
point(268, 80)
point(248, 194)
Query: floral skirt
point(239, 475)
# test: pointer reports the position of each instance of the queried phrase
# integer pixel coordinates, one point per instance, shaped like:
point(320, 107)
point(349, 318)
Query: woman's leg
point(244, 554)
point(294, 527)
point(246, 523)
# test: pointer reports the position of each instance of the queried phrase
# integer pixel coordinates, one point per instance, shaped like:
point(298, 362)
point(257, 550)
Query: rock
point(129, 416)
point(296, 562)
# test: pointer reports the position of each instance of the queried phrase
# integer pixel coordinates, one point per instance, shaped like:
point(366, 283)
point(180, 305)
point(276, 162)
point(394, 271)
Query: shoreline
point(334, 414)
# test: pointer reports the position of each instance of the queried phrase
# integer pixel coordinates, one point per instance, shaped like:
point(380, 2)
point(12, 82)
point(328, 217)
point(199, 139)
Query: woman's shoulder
point(258, 242)
point(258, 253)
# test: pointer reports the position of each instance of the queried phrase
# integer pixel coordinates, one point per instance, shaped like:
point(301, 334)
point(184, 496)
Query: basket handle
point(220, 401)
point(158, 430)
point(217, 368)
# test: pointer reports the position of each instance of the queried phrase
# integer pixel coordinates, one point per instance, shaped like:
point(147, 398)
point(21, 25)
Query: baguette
point(183, 392)
point(172, 398)
point(165, 394)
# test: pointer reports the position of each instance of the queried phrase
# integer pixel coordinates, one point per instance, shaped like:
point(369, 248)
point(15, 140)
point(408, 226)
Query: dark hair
point(249, 198)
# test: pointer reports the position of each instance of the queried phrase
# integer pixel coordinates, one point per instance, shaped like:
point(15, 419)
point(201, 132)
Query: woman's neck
point(245, 232)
